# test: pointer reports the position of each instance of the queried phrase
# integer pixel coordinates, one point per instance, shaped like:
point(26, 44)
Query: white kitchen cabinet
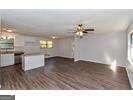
point(6, 59)
point(32, 61)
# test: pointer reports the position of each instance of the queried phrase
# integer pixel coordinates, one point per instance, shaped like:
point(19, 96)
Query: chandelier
point(5, 31)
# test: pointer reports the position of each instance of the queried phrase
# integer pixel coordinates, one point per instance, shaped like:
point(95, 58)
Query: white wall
point(65, 47)
point(30, 44)
point(102, 48)
point(27, 43)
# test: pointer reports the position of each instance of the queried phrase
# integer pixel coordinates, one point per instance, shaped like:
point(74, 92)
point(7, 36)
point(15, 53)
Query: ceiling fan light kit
point(81, 31)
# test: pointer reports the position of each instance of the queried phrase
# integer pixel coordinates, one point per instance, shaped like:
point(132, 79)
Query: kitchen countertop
point(12, 52)
point(32, 54)
point(20, 53)
point(6, 52)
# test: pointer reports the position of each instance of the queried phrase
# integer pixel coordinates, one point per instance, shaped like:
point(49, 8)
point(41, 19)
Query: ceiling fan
point(81, 30)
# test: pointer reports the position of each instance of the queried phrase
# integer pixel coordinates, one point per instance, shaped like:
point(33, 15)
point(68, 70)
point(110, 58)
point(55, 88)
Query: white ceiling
point(62, 22)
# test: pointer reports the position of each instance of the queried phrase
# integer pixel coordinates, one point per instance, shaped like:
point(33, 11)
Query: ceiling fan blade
point(89, 29)
point(85, 32)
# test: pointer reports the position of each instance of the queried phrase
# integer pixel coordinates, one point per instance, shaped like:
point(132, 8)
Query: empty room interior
point(66, 49)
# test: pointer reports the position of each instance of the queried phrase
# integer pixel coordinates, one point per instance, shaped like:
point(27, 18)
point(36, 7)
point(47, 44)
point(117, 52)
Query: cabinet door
point(7, 59)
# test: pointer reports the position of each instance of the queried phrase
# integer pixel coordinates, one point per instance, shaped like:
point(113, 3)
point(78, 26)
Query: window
point(130, 46)
point(131, 40)
point(46, 44)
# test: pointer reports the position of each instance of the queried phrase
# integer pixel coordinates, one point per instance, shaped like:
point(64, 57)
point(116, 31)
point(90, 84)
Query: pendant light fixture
point(6, 32)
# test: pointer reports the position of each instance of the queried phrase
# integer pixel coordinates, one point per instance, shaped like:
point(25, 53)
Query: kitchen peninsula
point(8, 58)
point(32, 60)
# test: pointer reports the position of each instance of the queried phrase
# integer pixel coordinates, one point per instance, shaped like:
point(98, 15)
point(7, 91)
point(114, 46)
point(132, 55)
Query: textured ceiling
point(62, 22)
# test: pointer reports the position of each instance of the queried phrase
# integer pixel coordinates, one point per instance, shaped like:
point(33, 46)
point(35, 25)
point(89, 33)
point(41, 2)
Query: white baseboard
point(97, 62)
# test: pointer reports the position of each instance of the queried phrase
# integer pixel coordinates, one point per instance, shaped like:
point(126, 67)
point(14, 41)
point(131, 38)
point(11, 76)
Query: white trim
point(130, 77)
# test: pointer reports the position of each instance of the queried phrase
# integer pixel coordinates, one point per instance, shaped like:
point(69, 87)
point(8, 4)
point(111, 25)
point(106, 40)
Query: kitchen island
point(32, 60)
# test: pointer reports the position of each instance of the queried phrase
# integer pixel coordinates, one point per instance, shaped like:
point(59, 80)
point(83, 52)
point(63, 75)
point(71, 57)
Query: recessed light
point(53, 37)
point(9, 30)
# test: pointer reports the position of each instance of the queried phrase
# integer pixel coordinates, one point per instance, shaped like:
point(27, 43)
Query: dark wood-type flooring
point(60, 73)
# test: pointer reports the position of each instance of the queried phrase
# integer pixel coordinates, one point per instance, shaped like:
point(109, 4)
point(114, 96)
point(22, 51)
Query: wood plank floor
point(61, 73)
